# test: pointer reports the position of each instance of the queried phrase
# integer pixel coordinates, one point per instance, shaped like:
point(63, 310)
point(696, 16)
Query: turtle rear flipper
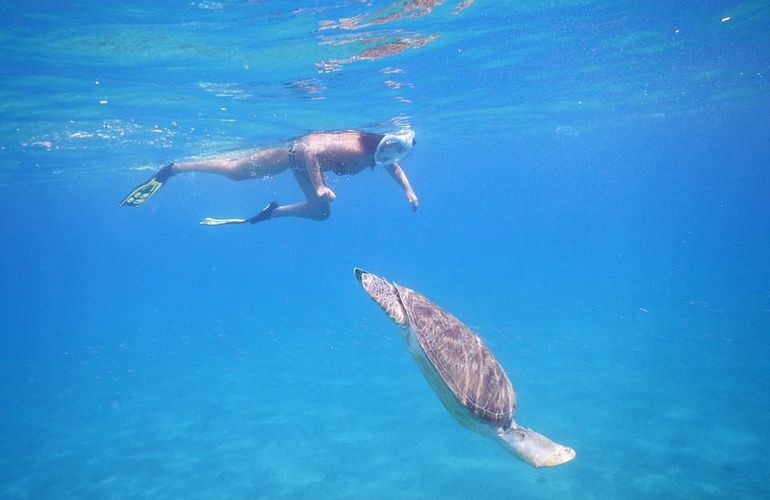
point(534, 448)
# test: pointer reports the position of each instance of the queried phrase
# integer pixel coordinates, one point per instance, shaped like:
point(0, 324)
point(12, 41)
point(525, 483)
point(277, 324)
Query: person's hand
point(325, 193)
point(413, 200)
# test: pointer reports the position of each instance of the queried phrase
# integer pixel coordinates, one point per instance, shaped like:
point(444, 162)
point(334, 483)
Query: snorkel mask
point(394, 147)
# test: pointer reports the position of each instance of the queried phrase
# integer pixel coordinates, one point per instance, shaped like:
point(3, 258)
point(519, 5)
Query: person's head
point(394, 147)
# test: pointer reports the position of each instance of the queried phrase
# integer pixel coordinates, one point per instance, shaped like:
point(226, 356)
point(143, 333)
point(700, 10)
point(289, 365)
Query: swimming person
point(308, 157)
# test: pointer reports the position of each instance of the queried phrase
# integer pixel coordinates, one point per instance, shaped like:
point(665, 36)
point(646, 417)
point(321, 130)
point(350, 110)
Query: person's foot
point(265, 214)
point(165, 172)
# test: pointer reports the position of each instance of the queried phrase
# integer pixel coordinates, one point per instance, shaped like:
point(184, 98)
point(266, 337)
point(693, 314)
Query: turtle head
point(534, 448)
point(384, 293)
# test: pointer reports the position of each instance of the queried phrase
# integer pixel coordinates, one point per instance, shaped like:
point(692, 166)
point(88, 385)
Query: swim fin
point(142, 193)
point(210, 221)
point(264, 214)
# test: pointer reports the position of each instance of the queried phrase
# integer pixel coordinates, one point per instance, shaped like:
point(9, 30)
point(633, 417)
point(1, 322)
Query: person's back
point(344, 152)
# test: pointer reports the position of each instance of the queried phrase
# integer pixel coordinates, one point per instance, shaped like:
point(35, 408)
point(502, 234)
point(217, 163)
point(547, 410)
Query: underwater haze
point(595, 203)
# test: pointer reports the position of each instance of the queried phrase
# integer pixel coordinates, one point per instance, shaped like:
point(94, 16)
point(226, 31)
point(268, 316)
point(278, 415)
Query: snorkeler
point(344, 153)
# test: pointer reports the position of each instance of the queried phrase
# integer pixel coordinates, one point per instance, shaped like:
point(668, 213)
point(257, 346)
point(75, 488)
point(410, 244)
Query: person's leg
point(239, 166)
point(304, 209)
point(314, 208)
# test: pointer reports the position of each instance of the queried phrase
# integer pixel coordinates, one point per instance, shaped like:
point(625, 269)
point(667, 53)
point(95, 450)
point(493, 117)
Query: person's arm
point(399, 176)
point(316, 176)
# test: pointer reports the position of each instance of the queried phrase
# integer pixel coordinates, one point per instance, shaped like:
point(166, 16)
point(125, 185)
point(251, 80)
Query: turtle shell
point(461, 359)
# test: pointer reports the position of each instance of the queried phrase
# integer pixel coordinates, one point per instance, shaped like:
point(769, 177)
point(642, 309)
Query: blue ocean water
point(594, 189)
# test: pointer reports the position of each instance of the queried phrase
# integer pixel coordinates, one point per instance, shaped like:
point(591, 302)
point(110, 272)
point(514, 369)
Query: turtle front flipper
point(534, 448)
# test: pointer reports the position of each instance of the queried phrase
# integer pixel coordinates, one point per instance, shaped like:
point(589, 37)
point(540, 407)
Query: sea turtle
point(462, 371)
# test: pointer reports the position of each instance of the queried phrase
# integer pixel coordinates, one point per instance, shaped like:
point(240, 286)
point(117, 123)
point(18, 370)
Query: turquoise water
point(594, 186)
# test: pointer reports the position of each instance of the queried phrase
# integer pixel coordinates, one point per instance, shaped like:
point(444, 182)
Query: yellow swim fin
point(142, 193)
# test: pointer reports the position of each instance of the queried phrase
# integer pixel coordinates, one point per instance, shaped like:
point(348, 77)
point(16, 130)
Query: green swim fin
point(142, 193)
